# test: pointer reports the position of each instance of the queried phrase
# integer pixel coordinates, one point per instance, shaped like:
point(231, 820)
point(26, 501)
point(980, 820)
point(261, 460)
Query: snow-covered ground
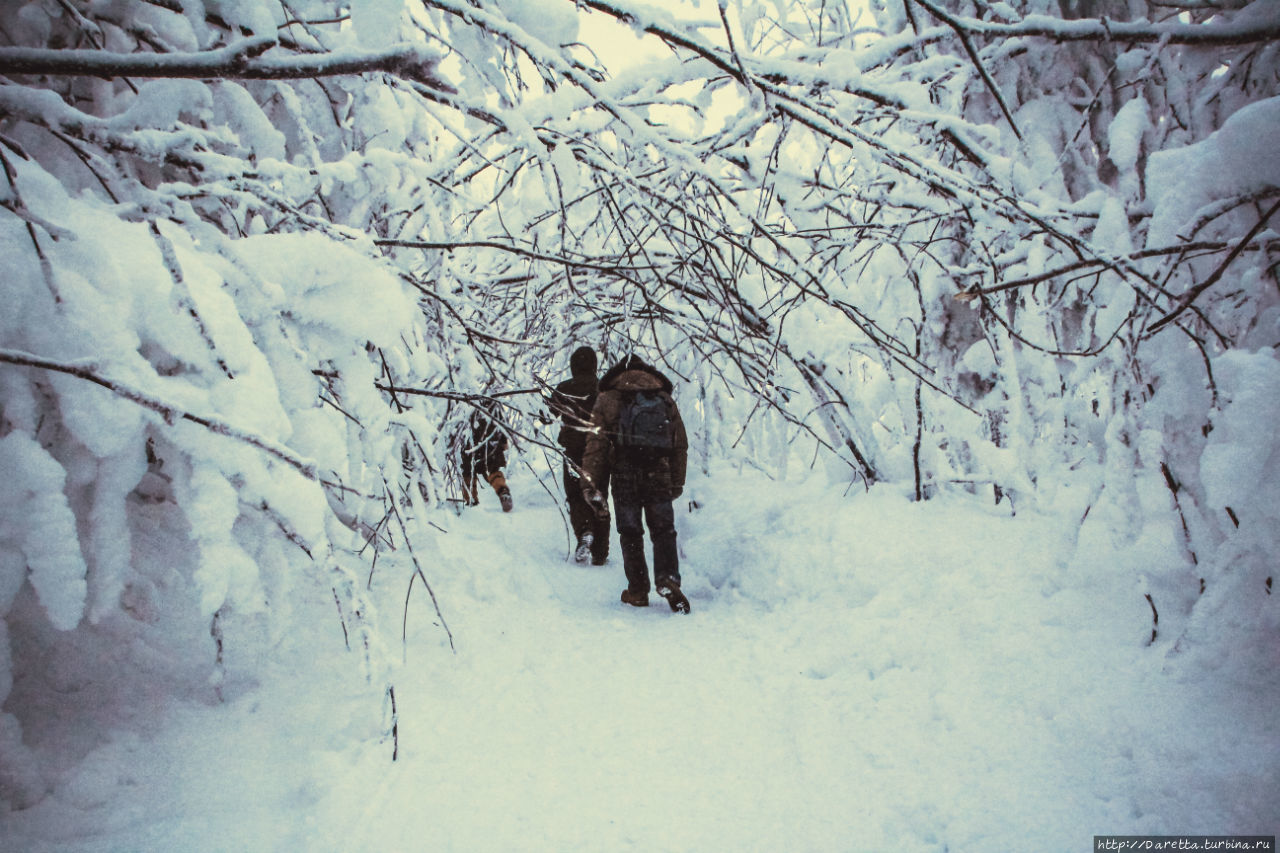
point(858, 673)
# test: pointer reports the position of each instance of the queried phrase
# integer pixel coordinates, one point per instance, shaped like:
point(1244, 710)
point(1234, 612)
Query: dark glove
point(597, 501)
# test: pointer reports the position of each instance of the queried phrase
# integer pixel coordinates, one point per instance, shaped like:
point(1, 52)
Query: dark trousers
point(660, 517)
point(582, 518)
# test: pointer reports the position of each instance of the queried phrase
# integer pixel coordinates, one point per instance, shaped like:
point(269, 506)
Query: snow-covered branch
point(243, 60)
point(1215, 33)
point(1200, 287)
point(601, 264)
point(1086, 264)
point(171, 412)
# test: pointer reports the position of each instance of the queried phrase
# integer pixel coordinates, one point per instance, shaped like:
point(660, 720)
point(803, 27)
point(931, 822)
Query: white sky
point(618, 45)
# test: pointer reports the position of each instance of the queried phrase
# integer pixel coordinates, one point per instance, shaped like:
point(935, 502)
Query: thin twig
point(417, 566)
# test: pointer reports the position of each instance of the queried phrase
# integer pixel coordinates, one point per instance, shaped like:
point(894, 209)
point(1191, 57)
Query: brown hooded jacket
point(663, 476)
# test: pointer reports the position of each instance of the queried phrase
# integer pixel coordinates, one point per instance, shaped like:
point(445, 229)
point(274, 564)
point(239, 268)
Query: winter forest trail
point(269, 265)
point(858, 674)
point(881, 676)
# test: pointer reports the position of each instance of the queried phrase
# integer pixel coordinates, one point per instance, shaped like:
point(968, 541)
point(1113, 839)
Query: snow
point(109, 545)
point(552, 23)
point(1241, 157)
point(38, 523)
point(249, 16)
point(328, 285)
point(377, 22)
point(162, 104)
point(1238, 461)
point(857, 671)
point(1124, 136)
point(236, 109)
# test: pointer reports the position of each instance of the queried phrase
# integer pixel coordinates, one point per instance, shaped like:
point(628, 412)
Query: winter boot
point(504, 496)
point(670, 590)
point(584, 548)
point(635, 597)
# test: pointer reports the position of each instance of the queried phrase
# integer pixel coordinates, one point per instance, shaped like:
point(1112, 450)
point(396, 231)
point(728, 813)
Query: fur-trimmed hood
point(632, 374)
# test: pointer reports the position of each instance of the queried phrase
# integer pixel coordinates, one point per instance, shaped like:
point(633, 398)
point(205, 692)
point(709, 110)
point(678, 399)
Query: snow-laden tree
point(262, 257)
point(197, 323)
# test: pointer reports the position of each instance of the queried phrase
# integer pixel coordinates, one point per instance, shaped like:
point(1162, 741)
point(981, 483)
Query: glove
point(597, 501)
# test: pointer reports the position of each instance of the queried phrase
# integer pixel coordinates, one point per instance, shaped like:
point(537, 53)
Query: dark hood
point(583, 362)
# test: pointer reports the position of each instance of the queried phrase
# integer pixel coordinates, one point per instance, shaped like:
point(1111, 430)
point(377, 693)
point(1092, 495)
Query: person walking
point(572, 401)
point(638, 450)
point(484, 454)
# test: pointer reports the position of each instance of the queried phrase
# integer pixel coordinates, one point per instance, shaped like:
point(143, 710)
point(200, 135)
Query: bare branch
point(977, 61)
point(515, 250)
point(1088, 263)
point(1191, 294)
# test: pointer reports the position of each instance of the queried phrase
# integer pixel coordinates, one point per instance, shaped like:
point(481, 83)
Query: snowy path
point(856, 675)
point(858, 681)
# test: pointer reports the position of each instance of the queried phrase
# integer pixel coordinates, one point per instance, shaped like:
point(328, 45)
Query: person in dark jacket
point(484, 454)
point(644, 482)
point(572, 401)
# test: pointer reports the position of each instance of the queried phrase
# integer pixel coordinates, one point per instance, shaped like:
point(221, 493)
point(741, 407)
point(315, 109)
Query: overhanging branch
point(498, 245)
point(1190, 296)
point(1113, 263)
point(169, 411)
point(243, 60)
point(1056, 29)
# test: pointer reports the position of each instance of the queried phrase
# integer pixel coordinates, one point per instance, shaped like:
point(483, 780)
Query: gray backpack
point(646, 427)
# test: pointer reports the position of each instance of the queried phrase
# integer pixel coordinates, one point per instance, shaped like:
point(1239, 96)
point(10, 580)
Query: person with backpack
point(572, 401)
point(484, 454)
point(637, 448)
